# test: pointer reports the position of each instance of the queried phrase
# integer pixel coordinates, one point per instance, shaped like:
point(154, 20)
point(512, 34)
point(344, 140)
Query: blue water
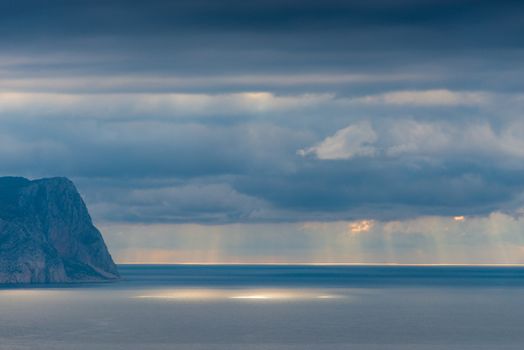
point(272, 307)
point(321, 276)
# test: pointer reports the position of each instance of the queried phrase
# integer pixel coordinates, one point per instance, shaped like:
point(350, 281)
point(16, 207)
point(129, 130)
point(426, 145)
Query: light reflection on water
point(272, 308)
point(203, 294)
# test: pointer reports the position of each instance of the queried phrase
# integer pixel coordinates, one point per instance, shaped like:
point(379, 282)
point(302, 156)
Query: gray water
point(272, 307)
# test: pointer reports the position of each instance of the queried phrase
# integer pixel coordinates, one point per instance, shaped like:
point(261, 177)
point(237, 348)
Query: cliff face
point(47, 236)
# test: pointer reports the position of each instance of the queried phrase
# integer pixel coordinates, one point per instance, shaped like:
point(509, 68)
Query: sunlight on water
point(253, 297)
point(235, 294)
point(272, 308)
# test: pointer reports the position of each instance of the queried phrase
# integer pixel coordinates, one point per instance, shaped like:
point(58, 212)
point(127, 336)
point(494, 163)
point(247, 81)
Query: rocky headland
point(47, 235)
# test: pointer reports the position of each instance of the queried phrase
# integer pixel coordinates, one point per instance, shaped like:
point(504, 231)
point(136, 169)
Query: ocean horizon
point(272, 307)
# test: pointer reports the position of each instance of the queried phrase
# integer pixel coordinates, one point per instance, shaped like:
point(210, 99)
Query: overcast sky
point(275, 131)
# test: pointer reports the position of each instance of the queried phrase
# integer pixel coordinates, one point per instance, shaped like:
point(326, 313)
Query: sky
point(275, 131)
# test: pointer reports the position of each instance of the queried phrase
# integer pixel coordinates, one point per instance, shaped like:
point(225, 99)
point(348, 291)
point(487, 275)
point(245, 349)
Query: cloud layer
point(265, 113)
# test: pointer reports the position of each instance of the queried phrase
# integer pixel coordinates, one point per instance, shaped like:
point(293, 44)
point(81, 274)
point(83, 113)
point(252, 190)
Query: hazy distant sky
point(275, 131)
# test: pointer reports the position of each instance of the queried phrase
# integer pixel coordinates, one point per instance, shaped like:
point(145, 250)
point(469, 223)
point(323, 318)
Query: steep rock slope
point(47, 236)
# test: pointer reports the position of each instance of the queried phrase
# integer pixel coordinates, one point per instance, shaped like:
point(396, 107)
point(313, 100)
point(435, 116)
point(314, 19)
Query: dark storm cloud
point(63, 19)
point(372, 189)
point(197, 38)
point(369, 109)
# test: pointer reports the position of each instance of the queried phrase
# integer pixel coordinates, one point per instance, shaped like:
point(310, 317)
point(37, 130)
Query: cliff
point(47, 236)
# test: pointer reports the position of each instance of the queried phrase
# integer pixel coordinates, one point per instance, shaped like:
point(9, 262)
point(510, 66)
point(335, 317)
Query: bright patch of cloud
point(438, 97)
point(353, 141)
point(360, 226)
point(407, 137)
point(123, 106)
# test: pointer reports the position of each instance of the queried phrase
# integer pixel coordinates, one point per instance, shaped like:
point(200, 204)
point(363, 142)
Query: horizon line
point(330, 264)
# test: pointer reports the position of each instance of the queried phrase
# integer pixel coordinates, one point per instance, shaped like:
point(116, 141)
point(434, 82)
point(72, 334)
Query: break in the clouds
point(269, 112)
point(493, 239)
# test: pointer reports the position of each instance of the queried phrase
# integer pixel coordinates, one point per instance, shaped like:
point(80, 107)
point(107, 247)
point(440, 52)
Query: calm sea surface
point(273, 307)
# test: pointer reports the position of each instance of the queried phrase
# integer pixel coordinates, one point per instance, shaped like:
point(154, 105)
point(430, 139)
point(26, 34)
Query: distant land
point(47, 235)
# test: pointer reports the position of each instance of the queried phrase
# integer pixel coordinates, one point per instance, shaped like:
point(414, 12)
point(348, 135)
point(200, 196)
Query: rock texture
point(47, 236)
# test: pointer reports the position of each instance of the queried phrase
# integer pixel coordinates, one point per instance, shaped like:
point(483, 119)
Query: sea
point(269, 307)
